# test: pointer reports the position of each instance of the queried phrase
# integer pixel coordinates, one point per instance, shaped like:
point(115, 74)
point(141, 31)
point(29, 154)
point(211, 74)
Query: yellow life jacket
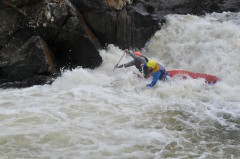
point(156, 68)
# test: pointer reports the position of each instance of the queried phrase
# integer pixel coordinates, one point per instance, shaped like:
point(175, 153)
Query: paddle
point(118, 61)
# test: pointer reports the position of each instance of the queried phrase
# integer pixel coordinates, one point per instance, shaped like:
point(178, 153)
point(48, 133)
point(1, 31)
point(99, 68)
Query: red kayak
point(210, 79)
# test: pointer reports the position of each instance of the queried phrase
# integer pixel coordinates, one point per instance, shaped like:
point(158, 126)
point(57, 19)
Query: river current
point(106, 114)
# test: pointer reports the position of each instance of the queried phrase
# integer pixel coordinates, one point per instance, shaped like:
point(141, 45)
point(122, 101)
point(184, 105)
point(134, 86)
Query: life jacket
point(159, 67)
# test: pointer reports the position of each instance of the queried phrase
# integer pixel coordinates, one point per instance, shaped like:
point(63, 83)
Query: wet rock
point(99, 6)
point(34, 80)
point(31, 60)
point(67, 34)
point(130, 27)
point(143, 25)
point(196, 7)
point(2, 5)
point(10, 22)
point(59, 26)
point(20, 3)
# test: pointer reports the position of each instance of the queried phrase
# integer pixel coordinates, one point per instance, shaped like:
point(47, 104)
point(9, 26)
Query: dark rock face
point(198, 7)
point(143, 26)
point(29, 61)
point(74, 50)
point(10, 22)
point(17, 3)
point(61, 32)
point(2, 5)
point(130, 26)
point(33, 57)
point(66, 33)
point(38, 37)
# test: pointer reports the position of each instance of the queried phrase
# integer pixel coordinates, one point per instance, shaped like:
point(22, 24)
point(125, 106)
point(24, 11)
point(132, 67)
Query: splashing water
point(103, 113)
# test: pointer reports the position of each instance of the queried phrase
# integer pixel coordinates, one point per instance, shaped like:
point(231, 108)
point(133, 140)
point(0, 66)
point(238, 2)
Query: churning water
point(106, 114)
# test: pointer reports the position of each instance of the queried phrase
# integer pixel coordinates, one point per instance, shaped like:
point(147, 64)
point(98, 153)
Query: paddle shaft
point(119, 61)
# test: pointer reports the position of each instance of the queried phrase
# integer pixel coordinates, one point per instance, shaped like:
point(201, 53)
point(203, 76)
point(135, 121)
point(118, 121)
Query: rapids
point(101, 113)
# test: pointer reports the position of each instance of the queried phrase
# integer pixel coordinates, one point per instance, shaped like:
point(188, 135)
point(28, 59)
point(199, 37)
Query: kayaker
point(157, 71)
point(138, 59)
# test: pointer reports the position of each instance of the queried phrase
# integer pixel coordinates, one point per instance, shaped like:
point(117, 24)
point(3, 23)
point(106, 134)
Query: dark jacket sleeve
point(138, 58)
point(131, 63)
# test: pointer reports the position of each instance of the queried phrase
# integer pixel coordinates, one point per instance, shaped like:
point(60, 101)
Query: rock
point(117, 4)
point(96, 6)
point(2, 5)
point(20, 3)
point(196, 7)
point(32, 59)
point(105, 27)
point(131, 27)
point(124, 29)
point(143, 25)
point(66, 32)
point(10, 22)
point(61, 29)
point(99, 6)
point(34, 80)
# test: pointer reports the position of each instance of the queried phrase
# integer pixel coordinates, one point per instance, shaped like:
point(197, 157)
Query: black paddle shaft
point(118, 62)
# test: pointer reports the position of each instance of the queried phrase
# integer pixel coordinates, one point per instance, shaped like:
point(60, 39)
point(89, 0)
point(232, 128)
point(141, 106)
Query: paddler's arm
point(131, 63)
point(155, 79)
point(138, 58)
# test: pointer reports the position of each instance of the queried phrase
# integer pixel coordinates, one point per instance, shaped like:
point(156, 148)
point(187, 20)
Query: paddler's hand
point(119, 66)
point(116, 66)
point(126, 51)
point(149, 85)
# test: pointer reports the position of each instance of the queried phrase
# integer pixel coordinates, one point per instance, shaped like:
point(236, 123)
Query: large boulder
point(99, 6)
point(119, 22)
point(143, 25)
point(2, 5)
point(66, 33)
point(196, 7)
point(61, 29)
point(20, 3)
point(29, 61)
point(10, 22)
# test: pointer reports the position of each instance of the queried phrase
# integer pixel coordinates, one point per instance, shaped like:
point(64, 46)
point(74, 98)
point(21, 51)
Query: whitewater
point(106, 114)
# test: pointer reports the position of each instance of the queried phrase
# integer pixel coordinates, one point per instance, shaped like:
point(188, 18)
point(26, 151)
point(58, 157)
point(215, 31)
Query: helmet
point(152, 64)
point(138, 53)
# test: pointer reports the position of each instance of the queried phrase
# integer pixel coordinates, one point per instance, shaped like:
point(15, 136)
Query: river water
point(106, 114)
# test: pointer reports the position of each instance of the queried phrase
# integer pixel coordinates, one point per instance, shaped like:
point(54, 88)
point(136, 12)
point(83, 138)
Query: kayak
point(210, 79)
